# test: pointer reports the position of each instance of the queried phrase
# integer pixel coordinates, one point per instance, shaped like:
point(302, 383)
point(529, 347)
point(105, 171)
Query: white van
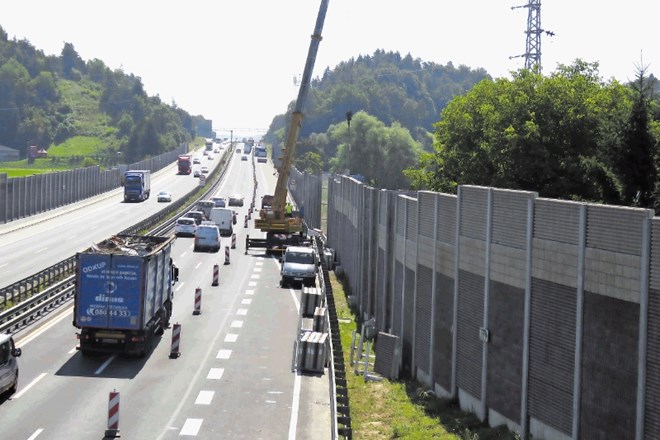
point(8, 364)
point(207, 237)
point(223, 217)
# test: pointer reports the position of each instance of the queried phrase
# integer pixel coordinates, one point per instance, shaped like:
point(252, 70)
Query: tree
point(379, 153)
point(544, 134)
point(636, 162)
point(310, 162)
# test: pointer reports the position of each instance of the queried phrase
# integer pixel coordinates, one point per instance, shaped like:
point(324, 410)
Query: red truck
point(185, 164)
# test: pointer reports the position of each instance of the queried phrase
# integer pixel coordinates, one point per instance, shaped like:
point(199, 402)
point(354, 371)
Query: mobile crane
point(280, 229)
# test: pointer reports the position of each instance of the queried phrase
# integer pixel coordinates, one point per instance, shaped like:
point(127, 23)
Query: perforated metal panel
point(551, 218)
point(652, 403)
point(447, 218)
point(551, 357)
point(510, 218)
point(423, 324)
point(474, 208)
point(426, 213)
point(470, 320)
point(615, 229)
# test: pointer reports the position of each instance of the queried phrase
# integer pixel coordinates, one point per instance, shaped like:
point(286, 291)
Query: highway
point(233, 378)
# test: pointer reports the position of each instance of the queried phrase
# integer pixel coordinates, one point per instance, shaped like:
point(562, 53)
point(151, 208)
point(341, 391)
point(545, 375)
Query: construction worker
point(289, 209)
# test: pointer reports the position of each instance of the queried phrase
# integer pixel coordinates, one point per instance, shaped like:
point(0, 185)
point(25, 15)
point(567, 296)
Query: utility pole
point(533, 42)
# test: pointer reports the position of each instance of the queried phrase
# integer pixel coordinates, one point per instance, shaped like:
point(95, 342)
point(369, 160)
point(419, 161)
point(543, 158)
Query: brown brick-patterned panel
point(505, 349)
point(609, 368)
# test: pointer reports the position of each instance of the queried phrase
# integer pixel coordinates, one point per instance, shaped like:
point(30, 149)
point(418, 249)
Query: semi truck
point(184, 164)
point(137, 185)
point(123, 295)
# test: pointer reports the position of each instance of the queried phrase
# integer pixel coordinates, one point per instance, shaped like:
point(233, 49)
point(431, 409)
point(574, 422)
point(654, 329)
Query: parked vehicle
point(123, 295)
point(223, 218)
point(8, 365)
point(164, 196)
point(137, 185)
point(185, 227)
point(300, 264)
point(207, 237)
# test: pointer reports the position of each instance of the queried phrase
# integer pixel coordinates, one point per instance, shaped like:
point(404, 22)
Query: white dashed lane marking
point(249, 292)
point(215, 373)
point(204, 397)
point(241, 312)
point(236, 324)
point(191, 427)
point(246, 301)
point(223, 354)
point(231, 337)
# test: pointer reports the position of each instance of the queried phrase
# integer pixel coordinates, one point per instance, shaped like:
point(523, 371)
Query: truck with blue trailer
point(137, 185)
point(123, 297)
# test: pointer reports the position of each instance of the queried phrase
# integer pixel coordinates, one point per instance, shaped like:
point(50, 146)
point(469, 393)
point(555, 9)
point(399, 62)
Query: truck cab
point(8, 364)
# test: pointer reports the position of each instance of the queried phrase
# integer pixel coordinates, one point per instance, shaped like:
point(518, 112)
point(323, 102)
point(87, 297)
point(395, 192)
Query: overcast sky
point(234, 61)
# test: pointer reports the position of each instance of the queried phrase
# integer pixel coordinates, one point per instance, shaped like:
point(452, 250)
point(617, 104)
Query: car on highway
point(197, 215)
point(8, 365)
point(207, 237)
point(244, 158)
point(196, 159)
point(238, 150)
point(300, 265)
point(185, 227)
point(235, 200)
point(164, 196)
point(220, 202)
point(205, 170)
point(197, 172)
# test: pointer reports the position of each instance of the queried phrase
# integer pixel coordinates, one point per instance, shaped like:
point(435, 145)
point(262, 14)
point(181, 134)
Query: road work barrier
point(226, 254)
point(233, 241)
point(113, 415)
point(246, 221)
point(176, 334)
point(198, 301)
point(216, 275)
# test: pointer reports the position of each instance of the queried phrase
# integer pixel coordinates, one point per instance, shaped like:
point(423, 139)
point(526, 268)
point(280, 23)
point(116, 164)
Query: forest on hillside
point(396, 98)
point(49, 100)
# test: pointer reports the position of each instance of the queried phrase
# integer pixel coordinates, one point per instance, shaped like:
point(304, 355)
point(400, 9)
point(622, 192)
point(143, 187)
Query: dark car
point(197, 215)
point(235, 200)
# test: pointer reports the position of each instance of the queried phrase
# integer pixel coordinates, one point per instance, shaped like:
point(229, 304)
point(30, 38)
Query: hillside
point(81, 109)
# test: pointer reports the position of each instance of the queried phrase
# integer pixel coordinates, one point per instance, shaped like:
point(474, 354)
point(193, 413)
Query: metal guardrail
point(33, 294)
point(26, 312)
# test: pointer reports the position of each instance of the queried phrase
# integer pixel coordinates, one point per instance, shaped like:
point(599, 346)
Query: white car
point(196, 159)
point(185, 226)
point(205, 170)
point(164, 196)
